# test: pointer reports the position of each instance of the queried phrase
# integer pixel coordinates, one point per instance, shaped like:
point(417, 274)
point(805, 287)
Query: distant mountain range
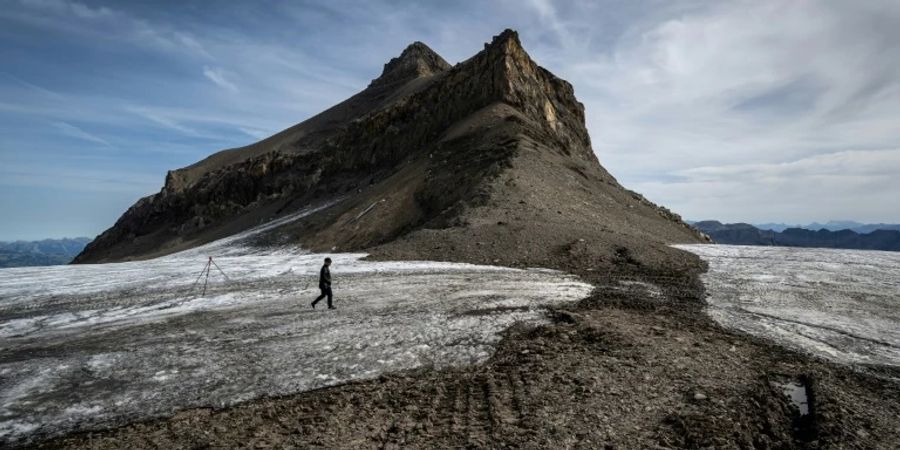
point(746, 234)
point(831, 225)
point(47, 252)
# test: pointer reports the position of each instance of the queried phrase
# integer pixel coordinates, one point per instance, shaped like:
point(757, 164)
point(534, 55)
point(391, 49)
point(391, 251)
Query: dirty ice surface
point(97, 345)
point(843, 305)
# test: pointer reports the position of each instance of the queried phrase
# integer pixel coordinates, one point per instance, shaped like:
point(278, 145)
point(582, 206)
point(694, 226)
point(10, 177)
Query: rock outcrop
point(485, 161)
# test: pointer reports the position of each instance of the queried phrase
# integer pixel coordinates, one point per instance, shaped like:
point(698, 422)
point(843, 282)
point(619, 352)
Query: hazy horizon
point(687, 219)
point(758, 112)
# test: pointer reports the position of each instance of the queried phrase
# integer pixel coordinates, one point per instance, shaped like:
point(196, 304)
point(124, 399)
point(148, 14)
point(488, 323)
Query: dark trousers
point(326, 292)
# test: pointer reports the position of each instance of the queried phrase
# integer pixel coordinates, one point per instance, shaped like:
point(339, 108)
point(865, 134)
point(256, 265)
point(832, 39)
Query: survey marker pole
point(208, 265)
point(206, 270)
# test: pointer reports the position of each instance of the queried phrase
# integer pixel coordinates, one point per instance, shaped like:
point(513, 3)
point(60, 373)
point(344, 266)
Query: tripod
point(209, 264)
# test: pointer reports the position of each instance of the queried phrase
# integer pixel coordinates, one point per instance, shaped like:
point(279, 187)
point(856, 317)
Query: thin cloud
point(77, 179)
point(35, 88)
point(255, 132)
point(105, 23)
point(73, 131)
point(201, 123)
point(161, 119)
point(861, 162)
point(547, 13)
point(76, 9)
point(218, 77)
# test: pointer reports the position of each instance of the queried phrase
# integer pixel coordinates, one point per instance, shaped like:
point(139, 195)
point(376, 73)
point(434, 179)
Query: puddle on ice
point(796, 392)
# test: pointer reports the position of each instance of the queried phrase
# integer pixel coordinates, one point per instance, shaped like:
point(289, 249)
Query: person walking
point(324, 284)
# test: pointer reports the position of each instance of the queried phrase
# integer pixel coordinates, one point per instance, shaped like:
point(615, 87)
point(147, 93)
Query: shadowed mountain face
point(485, 161)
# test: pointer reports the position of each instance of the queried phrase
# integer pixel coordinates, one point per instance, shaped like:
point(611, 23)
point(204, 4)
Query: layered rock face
point(488, 160)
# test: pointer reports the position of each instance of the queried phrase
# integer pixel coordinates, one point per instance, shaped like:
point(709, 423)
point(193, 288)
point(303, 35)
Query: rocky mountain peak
point(428, 146)
point(416, 60)
point(506, 50)
point(507, 41)
point(517, 80)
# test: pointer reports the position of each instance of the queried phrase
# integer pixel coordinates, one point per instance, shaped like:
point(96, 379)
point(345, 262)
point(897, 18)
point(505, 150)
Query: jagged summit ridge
point(507, 40)
point(538, 93)
point(416, 60)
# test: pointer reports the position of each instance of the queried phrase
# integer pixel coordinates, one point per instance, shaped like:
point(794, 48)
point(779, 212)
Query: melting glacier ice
point(96, 345)
point(842, 305)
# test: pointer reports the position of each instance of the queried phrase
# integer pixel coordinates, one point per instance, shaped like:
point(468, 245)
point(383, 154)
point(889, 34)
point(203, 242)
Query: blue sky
point(742, 111)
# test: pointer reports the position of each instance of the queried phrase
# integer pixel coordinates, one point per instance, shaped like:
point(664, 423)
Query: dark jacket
point(324, 277)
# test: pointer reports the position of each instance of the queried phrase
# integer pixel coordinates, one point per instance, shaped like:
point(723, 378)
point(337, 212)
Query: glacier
point(840, 305)
point(97, 345)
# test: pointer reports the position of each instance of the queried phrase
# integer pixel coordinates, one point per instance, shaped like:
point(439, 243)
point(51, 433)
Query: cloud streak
point(218, 78)
point(73, 131)
point(103, 23)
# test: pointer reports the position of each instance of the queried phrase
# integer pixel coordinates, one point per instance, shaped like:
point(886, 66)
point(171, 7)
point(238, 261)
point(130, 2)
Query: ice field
point(96, 345)
point(843, 305)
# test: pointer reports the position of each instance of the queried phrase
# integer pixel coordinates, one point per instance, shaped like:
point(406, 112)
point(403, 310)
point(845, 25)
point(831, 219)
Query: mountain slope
point(487, 160)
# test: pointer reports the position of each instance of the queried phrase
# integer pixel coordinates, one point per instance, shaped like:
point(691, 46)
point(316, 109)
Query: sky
point(756, 111)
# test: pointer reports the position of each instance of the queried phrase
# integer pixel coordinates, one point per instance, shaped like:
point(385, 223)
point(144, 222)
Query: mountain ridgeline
point(746, 234)
point(832, 225)
point(47, 252)
point(485, 161)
